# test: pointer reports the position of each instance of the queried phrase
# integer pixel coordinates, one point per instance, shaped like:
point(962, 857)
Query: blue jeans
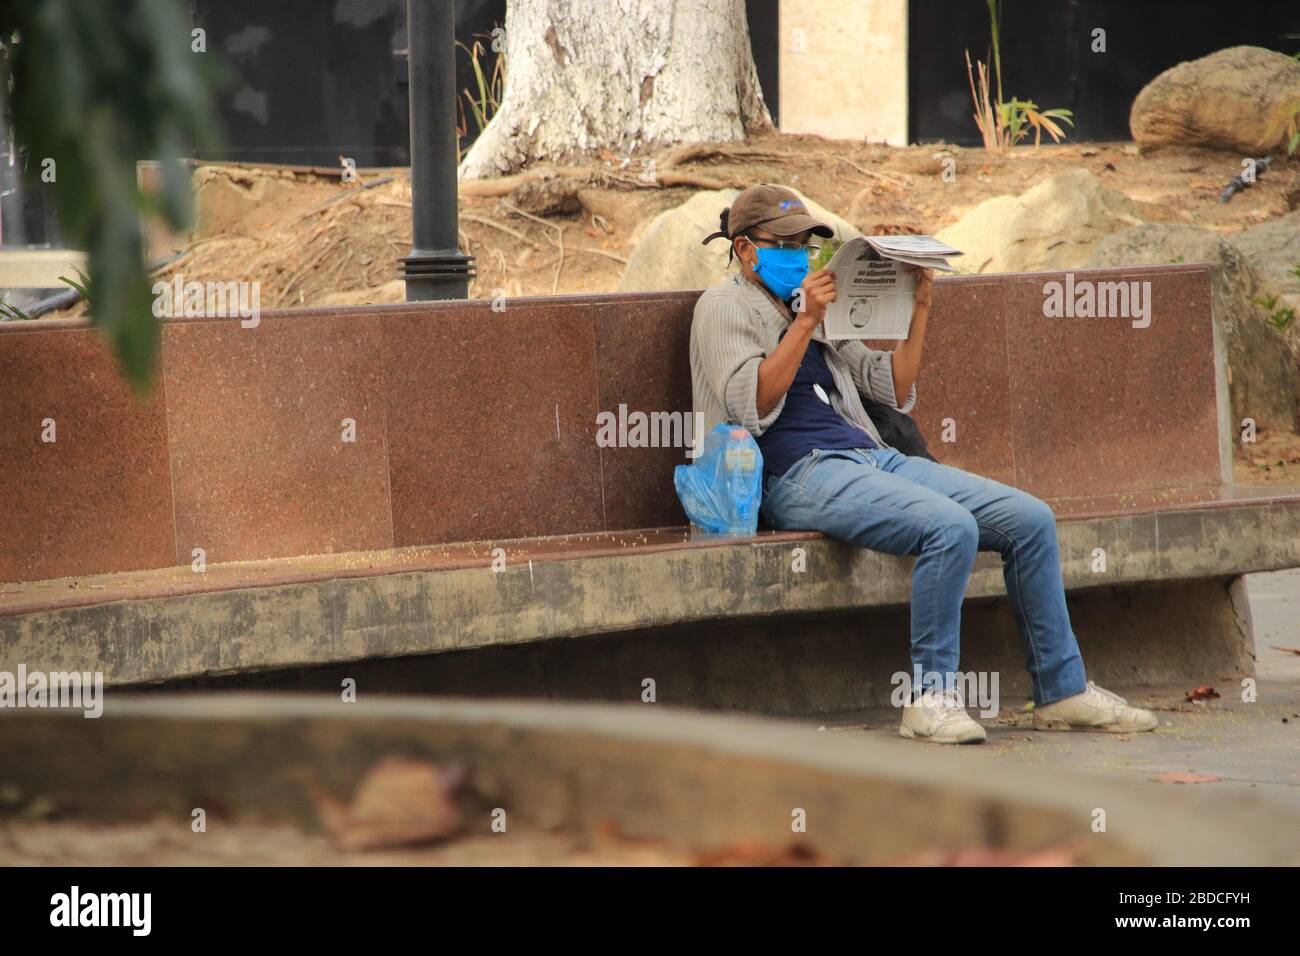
point(887, 501)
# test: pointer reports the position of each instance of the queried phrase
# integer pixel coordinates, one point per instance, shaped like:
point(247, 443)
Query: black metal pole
point(435, 269)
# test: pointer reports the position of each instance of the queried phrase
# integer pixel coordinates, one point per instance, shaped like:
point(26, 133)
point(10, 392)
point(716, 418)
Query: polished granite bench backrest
point(474, 424)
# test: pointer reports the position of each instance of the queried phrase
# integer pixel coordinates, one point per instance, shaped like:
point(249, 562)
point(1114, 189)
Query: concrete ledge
point(425, 612)
point(39, 268)
point(655, 773)
point(1181, 634)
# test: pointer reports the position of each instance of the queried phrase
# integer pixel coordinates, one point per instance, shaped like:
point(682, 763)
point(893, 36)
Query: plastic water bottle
point(721, 492)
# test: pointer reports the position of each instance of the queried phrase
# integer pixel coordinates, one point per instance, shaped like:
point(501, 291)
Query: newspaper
point(874, 285)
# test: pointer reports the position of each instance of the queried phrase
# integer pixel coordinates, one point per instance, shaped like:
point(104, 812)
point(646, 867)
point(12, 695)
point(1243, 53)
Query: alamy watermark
point(624, 429)
point(75, 908)
point(196, 299)
point(1086, 299)
point(977, 688)
point(73, 689)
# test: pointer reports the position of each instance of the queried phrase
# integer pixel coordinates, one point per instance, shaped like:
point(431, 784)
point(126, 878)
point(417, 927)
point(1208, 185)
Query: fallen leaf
point(1174, 777)
point(399, 802)
point(1204, 692)
point(992, 856)
point(754, 853)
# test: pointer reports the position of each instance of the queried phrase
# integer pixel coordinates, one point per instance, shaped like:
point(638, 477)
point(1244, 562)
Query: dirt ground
point(162, 843)
point(1274, 459)
point(167, 843)
point(312, 240)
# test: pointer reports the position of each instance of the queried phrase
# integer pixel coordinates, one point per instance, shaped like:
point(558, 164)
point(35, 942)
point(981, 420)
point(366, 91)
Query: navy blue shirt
point(806, 422)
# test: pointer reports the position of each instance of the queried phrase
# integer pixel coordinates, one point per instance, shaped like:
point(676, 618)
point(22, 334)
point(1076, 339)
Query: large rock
point(1054, 225)
point(1274, 249)
point(669, 255)
point(1238, 98)
point(1263, 373)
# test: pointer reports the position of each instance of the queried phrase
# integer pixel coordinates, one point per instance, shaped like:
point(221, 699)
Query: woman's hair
point(731, 240)
point(724, 232)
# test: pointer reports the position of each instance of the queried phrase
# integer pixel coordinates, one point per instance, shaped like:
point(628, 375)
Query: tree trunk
point(619, 75)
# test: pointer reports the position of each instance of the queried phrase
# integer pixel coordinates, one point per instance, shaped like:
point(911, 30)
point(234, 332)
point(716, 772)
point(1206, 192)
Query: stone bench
point(715, 623)
point(479, 425)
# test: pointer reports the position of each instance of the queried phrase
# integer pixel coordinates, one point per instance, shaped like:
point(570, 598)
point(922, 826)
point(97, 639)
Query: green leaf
point(96, 86)
point(13, 312)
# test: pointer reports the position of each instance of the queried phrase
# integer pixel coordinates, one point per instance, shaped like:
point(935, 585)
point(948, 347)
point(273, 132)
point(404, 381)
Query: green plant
point(1018, 115)
point(1281, 316)
point(1293, 130)
point(823, 258)
point(490, 86)
point(81, 283)
point(92, 87)
point(13, 312)
point(1003, 123)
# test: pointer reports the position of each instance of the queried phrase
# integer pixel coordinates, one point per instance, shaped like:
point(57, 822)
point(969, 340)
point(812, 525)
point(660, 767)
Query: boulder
point(1054, 225)
point(1264, 378)
point(1239, 99)
point(669, 255)
point(1274, 249)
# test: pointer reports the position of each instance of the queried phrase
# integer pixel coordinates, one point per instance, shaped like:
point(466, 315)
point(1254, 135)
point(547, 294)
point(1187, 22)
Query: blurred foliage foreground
point(94, 87)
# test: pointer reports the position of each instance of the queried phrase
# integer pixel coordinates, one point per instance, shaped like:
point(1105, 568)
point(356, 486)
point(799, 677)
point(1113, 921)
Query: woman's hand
point(906, 357)
point(815, 293)
point(922, 295)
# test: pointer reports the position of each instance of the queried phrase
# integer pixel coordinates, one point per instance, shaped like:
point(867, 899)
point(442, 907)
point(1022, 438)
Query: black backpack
point(897, 429)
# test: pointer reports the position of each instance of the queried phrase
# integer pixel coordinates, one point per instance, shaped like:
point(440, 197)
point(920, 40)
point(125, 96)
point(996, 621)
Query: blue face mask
point(782, 269)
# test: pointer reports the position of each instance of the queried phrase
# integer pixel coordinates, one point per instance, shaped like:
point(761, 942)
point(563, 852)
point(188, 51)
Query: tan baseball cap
point(778, 210)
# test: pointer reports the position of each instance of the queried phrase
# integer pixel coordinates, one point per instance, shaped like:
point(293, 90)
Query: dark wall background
point(1047, 57)
point(316, 78)
point(310, 80)
point(313, 79)
point(765, 40)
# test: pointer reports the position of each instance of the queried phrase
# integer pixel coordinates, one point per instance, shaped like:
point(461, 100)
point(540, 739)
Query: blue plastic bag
point(722, 490)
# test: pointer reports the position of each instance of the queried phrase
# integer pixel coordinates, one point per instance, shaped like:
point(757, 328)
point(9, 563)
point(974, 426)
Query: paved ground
point(1275, 608)
point(1250, 747)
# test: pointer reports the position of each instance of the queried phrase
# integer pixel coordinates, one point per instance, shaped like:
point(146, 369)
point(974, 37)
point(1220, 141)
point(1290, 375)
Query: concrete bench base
point(807, 619)
point(1184, 633)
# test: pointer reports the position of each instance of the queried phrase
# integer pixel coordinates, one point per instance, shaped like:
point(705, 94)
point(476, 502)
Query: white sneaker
point(1095, 710)
point(940, 718)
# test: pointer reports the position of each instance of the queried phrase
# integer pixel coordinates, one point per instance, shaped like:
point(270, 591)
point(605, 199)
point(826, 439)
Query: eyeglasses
point(813, 247)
